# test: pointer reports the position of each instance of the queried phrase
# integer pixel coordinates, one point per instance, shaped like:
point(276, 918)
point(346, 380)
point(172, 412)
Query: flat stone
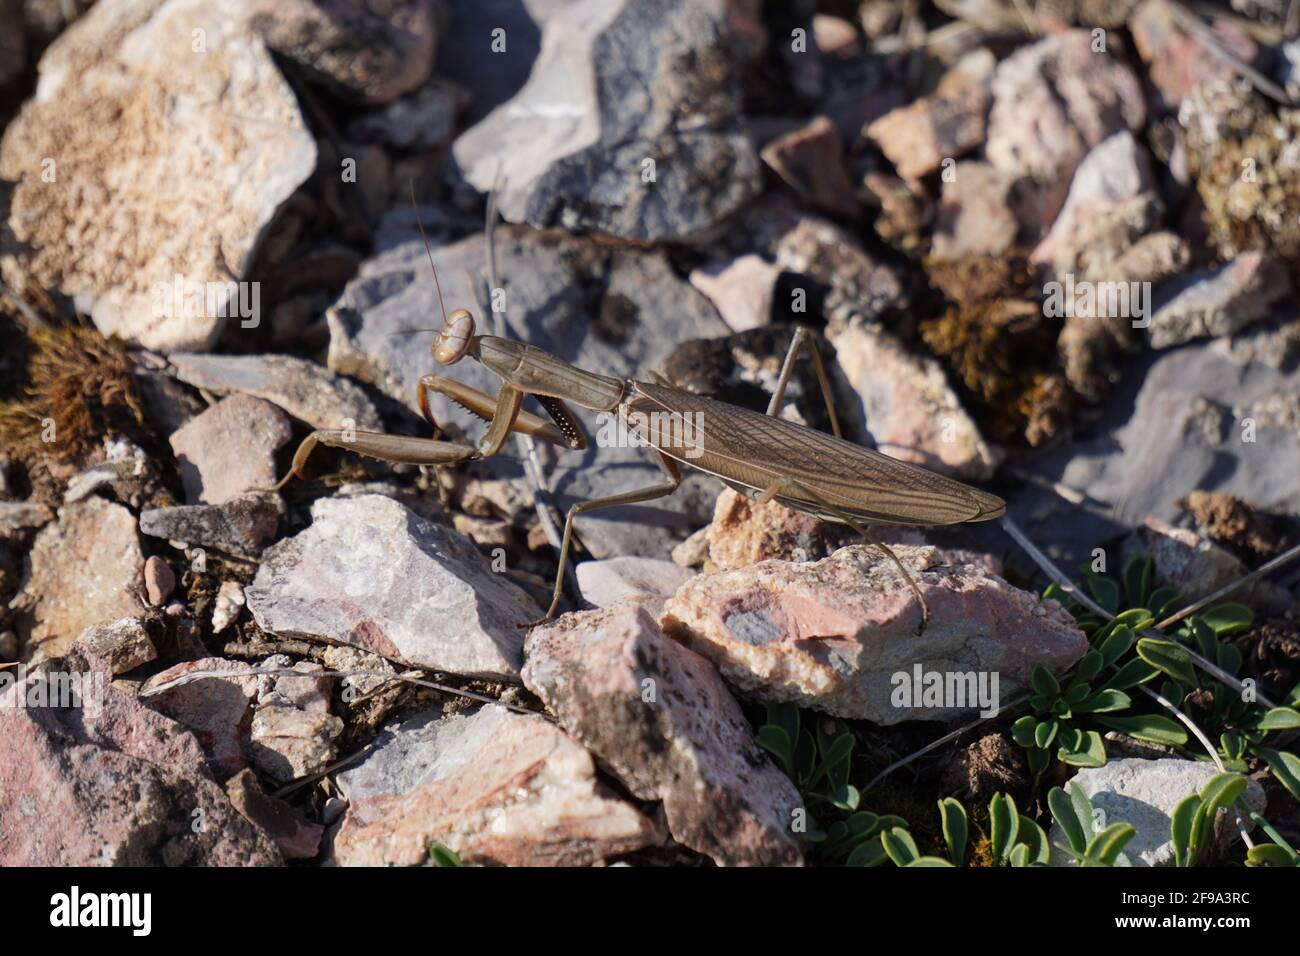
point(740, 289)
point(239, 527)
point(217, 709)
point(1144, 794)
point(658, 716)
point(840, 635)
point(123, 787)
point(293, 731)
point(627, 125)
point(230, 449)
point(305, 390)
point(86, 569)
point(122, 645)
point(647, 581)
point(296, 838)
point(810, 160)
point(372, 51)
point(496, 788)
point(371, 573)
point(908, 407)
point(1220, 300)
point(169, 202)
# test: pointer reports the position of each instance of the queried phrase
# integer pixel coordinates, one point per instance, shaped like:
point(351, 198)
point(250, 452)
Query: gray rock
point(122, 645)
point(1144, 793)
point(618, 86)
point(840, 635)
point(425, 120)
point(617, 313)
point(495, 788)
point(370, 573)
point(138, 235)
point(293, 732)
point(1220, 300)
point(468, 37)
point(229, 450)
point(239, 527)
point(373, 51)
point(304, 389)
point(18, 518)
point(659, 717)
point(647, 581)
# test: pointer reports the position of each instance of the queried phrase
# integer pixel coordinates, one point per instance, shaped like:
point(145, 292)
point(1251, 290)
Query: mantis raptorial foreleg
point(484, 406)
point(626, 498)
point(790, 484)
point(802, 338)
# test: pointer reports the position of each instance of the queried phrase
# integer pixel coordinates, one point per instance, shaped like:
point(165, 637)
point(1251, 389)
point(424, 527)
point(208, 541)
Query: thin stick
point(1286, 557)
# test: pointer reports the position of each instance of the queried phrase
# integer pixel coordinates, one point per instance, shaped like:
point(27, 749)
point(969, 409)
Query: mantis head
point(454, 338)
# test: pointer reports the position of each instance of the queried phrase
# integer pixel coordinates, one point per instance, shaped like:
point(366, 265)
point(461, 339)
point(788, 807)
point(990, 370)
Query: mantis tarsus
point(764, 456)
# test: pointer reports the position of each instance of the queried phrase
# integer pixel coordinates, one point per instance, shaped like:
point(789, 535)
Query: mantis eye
point(454, 340)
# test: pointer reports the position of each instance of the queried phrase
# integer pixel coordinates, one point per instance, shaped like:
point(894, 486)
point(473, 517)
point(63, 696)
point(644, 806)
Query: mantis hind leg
point(788, 484)
point(626, 498)
point(804, 339)
point(399, 449)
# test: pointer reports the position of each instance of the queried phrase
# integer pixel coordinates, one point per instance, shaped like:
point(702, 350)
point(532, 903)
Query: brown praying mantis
point(761, 455)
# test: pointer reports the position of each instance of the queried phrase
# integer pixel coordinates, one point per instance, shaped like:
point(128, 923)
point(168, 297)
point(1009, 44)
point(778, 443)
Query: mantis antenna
point(429, 252)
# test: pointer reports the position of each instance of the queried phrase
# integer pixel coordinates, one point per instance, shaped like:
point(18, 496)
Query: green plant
point(1191, 825)
point(1074, 814)
point(1016, 839)
point(440, 855)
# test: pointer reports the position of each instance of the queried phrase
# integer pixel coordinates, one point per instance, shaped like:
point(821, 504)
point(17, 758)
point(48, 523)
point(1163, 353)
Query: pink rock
point(159, 581)
point(918, 137)
point(630, 578)
point(122, 645)
point(976, 214)
point(125, 787)
point(230, 449)
point(658, 716)
point(85, 570)
point(216, 709)
point(296, 838)
point(1176, 61)
point(741, 290)
point(811, 161)
point(836, 635)
point(497, 788)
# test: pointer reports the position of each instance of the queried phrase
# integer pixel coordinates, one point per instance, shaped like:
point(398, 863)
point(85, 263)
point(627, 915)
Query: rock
point(496, 788)
point(293, 732)
point(372, 574)
point(170, 205)
point(425, 120)
point(840, 635)
point(658, 716)
point(908, 407)
point(918, 137)
point(860, 286)
point(1144, 793)
point(17, 518)
point(1178, 62)
point(616, 312)
point(239, 527)
point(1235, 523)
point(85, 569)
point(1221, 300)
point(230, 449)
point(215, 709)
point(976, 214)
point(8, 646)
point(694, 551)
point(628, 125)
point(743, 532)
point(810, 161)
point(128, 787)
point(296, 838)
point(225, 609)
point(122, 645)
point(304, 389)
point(1074, 96)
point(645, 581)
point(1112, 204)
point(469, 33)
point(159, 581)
point(373, 51)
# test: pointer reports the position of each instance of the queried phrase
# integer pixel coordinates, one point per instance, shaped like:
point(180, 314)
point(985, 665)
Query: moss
point(77, 389)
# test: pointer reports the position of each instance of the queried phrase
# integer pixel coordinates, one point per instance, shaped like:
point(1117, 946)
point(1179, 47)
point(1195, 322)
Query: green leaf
point(1038, 760)
point(871, 853)
point(1107, 845)
point(862, 824)
point(1019, 855)
point(1088, 668)
point(1227, 619)
point(1082, 808)
point(1152, 728)
point(1280, 718)
point(1034, 840)
point(1131, 674)
point(442, 856)
point(846, 797)
point(1222, 790)
point(1004, 822)
point(1169, 657)
point(1116, 646)
point(1137, 581)
point(776, 741)
point(1092, 754)
point(1234, 745)
point(1285, 767)
point(1043, 682)
point(1063, 812)
point(899, 845)
point(1022, 731)
point(952, 816)
point(1105, 592)
point(1104, 701)
point(1181, 825)
point(930, 861)
point(1045, 733)
point(1270, 854)
point(1228, 657)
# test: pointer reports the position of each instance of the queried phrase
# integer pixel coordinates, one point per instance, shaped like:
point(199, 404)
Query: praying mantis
point(761, 455)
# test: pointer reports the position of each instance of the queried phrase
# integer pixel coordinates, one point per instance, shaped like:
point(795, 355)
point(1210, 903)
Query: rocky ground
point(1048, 246)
